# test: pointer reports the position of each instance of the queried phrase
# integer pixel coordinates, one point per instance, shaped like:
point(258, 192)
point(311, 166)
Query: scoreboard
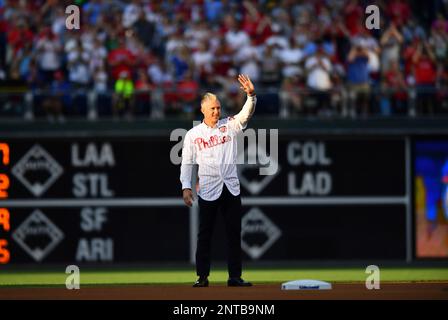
point(5, 255)
point(79, 199)
point(90, 201)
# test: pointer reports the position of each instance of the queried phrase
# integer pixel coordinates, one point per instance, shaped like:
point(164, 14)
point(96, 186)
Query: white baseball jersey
point(215, 151)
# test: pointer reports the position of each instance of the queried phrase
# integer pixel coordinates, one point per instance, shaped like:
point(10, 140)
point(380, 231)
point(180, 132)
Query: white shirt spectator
point(252, 69)
point(215, 151)
point(79, 73)
point(98, 56)
point(237, 39)
point(318, 76)
point(100, 84)
point(49, 57)
point(245, 53)
point(78, 54)
point(173, 44)
point(130, 15)
point(371, 44)
point(157, 75)
point(196, 35)
point(58, 26)
point(203, 59)
point(291, 57)
point(279, 41)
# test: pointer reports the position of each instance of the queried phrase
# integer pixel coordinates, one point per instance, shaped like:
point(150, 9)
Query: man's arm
point(186, 170)
point(249, 107)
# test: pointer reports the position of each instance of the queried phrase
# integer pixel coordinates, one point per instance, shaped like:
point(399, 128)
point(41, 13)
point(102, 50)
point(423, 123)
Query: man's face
point(211, 109)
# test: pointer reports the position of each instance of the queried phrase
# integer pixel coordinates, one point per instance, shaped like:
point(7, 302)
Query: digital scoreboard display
point(90, 201)
point(118, 200)
point(5, 226)
point(431, 198)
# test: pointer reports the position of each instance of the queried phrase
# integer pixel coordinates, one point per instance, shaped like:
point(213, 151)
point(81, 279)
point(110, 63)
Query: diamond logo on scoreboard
point(258, 233)
point(248, 173)
point(37, 170)
point(37, 235)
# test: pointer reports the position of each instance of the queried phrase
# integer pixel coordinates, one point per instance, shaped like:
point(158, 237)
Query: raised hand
point(246, 85)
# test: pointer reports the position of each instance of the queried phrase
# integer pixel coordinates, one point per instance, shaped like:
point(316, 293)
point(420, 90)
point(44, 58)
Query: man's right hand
point(188, 197)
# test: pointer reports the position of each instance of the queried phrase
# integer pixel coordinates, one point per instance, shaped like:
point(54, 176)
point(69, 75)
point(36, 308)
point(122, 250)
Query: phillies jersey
point(215, 151)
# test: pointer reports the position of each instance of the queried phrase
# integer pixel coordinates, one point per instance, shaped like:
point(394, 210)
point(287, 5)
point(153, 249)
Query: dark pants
point(230, 207)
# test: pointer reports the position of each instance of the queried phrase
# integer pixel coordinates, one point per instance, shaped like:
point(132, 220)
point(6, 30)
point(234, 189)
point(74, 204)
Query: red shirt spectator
point(408, 53)
point(256, 25)
point(120, 59)
point(399, 11)
point(188, 89)
point(353, 17)
point(19, 36)
point(425, 71)
point(394, 80)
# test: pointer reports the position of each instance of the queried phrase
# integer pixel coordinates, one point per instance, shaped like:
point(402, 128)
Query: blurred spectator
point(98, 55)
point(367, 41)
point(439, 39)
point(123, 95)
point(57, 99)
point(203, 62)
point(213, 10)
point(131, 13)
point(236, 38)
point(247, 59)
point(3, 37)
point(100, 79)
point(398, 11)
point(233, 97)
point(318, 68)
point(394, 89)
point(442, 93)
point(354, 15)
point(198, 34)
point(25, 59)
point(291, 58)
point(391, 42)
point(188, 93)
point(120, 60)
point(93, 10)
point(78, 68)
point(411, 30)
point(143, 93)
point(358, 79)
point(203, 42)
point(144, 29)
point(181, 63)
point(277, 40)
point(256, 24)
point(158, 73)
point(270, 68)
point(58, 22)
point(48, 54)
point(424, 67)
point(290, 96)
point(19, 36)
point(223, 58)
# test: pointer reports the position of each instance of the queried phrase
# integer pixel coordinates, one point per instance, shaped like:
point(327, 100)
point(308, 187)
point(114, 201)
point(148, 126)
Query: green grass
point(187, 276)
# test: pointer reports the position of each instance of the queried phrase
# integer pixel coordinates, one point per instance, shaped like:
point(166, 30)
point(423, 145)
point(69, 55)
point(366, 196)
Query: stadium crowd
point(155, 58)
